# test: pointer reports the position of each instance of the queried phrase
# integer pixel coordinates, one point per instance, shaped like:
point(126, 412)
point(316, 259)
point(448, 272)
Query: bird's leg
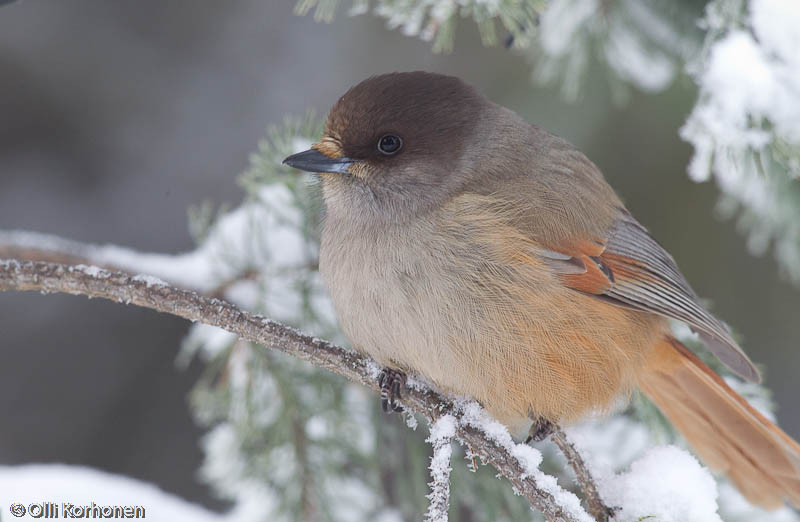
point(540, 430)
point(390, 381)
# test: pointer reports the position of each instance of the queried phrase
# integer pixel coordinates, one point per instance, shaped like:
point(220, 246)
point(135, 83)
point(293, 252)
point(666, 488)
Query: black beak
point(313, 160)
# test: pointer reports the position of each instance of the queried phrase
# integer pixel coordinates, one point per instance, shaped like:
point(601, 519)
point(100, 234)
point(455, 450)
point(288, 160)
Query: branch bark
point(597, 507)
point(146, 292)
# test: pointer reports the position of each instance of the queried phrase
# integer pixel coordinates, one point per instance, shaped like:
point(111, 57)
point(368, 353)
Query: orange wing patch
point(595, 280)
point(632, 270)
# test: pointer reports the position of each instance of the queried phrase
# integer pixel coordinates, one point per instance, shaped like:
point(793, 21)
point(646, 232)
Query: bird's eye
point(389, 144)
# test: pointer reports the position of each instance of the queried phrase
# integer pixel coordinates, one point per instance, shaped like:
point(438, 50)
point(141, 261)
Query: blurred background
point(115, 117)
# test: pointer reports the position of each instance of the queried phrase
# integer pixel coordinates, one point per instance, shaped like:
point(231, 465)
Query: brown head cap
point(431, 113)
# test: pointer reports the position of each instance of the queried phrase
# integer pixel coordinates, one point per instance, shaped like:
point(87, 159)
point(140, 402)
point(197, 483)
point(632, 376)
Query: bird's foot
point(540, 430)
point(390, 381)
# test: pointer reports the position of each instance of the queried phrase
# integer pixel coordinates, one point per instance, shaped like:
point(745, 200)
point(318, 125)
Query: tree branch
point(597, 507)
point(157, 295)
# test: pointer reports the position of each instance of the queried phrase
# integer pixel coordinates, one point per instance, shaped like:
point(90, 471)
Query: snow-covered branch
point(442, 433)
point(486, 438)
point(435, 20)
point(745, 128)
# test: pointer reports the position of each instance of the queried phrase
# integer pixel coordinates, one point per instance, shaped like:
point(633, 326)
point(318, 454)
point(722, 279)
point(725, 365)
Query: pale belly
point(510, 336)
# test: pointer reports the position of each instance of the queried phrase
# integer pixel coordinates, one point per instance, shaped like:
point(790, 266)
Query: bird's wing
point(629, 268)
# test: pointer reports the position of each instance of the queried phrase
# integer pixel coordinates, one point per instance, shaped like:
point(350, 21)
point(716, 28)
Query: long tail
point(727, 433)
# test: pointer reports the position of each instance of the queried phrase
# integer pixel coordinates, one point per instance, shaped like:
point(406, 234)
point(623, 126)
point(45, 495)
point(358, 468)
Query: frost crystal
point(441, 436)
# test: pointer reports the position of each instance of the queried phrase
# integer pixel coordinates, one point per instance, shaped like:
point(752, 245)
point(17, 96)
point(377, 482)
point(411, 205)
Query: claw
point(540, 430)
point(390, 382)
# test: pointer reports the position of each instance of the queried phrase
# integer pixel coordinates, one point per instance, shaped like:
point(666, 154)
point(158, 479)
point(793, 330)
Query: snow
point(225, 467)
point(738, 83)
point(411, 421)
point(149, 280)
point(318, 428)
point(412, 21)
point(358, 8)
point(374, 369)
point(38, 483)
point(734, 507)
point(775, 23)
point(442, 432)
point(632, 37)
point(561, 22)
point(666, 484)
point(206, 340)
point(443, 429)
point(25, 239)
point(647, 69)
point(92, 271)
point(609, 444)
point(245, 293)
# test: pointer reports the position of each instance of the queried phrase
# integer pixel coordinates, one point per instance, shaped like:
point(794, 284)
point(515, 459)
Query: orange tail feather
point(727, 433)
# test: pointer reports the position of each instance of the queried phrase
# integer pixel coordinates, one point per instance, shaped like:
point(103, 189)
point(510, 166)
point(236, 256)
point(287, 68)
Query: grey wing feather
point(647, 278)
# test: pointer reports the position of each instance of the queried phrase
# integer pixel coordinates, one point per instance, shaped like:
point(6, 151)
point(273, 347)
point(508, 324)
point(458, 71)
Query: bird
point(461, 243)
